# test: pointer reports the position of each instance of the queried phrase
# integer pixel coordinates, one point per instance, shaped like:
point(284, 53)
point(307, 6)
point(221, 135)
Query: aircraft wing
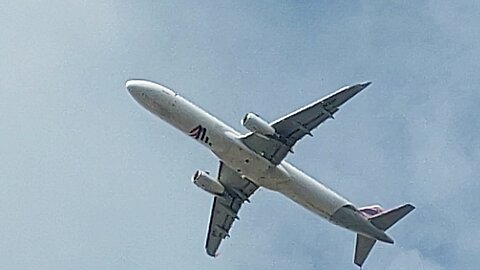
point(299, 123)
point(225, 208)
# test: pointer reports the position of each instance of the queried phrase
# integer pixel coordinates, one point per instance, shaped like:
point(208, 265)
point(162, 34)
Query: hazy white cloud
point(90, 180)
point(412, 259)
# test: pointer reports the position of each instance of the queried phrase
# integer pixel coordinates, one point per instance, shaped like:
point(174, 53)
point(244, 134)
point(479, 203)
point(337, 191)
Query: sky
point(90, 180)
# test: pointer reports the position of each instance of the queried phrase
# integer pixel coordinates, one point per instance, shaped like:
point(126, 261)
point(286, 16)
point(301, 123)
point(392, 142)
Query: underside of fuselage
point(225, 143)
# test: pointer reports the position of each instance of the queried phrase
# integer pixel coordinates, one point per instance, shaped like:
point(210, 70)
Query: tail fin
point(382, 221)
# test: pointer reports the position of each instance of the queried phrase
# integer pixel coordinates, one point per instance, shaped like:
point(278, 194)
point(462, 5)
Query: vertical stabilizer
point(382, 221)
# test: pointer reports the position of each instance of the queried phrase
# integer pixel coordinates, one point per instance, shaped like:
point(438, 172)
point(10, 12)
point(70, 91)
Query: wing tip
point(212, 254)
point(365, 84)
point(410, 206)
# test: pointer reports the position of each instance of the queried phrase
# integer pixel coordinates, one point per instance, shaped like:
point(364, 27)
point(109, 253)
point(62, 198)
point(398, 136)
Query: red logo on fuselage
point(199, 133)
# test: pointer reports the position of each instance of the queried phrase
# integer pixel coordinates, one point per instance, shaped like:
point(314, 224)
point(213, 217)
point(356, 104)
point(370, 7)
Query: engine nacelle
point(256, 124)
point(204, 181)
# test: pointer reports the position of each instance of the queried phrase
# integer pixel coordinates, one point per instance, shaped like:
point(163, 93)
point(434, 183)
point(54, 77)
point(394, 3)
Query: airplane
point(256, 159)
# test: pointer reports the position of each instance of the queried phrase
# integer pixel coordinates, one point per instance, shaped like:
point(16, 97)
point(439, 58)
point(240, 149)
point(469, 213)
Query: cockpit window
point(168, 91)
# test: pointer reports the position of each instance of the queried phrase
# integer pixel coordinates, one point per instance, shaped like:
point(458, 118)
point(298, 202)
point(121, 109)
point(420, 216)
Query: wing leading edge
point(294, 126)
point(225, 209)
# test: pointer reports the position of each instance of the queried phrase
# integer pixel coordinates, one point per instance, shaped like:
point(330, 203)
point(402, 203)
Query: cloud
point(412, 259)
point(91, 180)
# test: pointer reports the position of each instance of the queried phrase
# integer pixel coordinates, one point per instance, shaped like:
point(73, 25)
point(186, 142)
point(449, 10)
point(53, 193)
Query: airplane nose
point(153, 97)
point(133, 87)
point(141, 88)
point(137, 91)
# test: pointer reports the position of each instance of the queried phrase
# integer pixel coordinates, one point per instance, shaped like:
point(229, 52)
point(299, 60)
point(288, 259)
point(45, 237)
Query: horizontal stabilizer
point(386, 219)
point(362, 248)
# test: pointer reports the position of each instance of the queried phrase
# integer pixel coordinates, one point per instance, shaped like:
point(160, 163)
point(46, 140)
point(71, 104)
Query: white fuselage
point(225, 143)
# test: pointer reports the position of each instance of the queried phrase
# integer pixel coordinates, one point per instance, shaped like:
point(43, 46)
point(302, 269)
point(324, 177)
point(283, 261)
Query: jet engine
point(254, 123)
point(204, 181)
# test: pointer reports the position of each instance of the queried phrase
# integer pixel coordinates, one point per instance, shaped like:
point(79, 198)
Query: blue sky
point(90, 180)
